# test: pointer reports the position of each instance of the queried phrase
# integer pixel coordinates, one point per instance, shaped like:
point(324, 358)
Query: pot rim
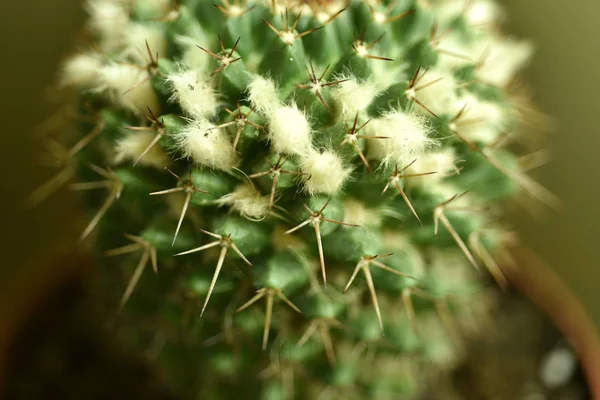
point(544, 288)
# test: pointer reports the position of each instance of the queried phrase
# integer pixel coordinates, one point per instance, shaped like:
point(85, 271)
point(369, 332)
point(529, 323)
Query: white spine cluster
point(263, 95)
point(352, 96)
point(437, 91)
point(483, 12)
point(483, 121)
point(108, 19)
point(407, 137)
point(248, 201)
point(195, 93)
point(504, 57)
point(129, 87)
point(454, 52)
point(207, 145)
point(442, 162)
point(82, 70)
point(289, 131)
point(323, 172)
point(131, 146)
point(477, 13)
point(136, 35)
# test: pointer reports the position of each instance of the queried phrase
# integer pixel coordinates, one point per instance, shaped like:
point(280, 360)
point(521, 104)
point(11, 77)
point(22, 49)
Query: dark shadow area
point(64, 352)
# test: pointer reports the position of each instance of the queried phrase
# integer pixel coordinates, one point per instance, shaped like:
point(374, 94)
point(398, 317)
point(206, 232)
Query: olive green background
point(565, 73)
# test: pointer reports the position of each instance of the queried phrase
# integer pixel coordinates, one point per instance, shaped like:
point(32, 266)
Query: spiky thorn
point(61, 158)
point(288, 34)
point(320, 10)
point(112, 183)
point(151, 68)
point(315, 84)
point(487, 259)
point(285, 368)
point(172, 11)
point(225, 59)
point(353, 136)
point(269, 293)
point(149, 254)
point(61, 118)
point(321, 325)
point(315, 220)
point(533, 188)
point(530, 186)
point(275, 172)
point(381, 17)
point(441, 308)
point(233, 10)
point(226, 243)
point(533, 160)
point(363, 265)
point(361, 47)
point(240, 121)
point(434, 42)
point(439, 216)
point(187, 186)
point(229, 333)
point(155, 125)
point(458, 121)
point(407, 294)
point(395, 181)
point(412, 89)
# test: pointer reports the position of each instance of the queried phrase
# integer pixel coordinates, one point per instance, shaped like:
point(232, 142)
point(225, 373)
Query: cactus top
point(317, 185)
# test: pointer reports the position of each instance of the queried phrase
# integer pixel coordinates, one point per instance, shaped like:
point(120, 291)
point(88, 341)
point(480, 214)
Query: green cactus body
point(315, 185)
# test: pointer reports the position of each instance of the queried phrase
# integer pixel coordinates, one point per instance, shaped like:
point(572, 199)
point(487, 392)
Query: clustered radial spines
point(441, 161)
point(149, 255)
point(82, 70)
point(480, 121)
point(128, 86)
point(137, 37)
point(138, 146)
point(435, 92)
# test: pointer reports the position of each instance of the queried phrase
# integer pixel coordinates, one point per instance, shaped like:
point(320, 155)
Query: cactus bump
point(295, 199)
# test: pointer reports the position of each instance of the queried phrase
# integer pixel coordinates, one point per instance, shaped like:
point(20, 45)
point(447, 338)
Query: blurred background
point(565, 75)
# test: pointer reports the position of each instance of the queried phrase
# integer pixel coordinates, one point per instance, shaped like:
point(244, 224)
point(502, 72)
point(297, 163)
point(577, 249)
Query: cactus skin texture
point(295, 199)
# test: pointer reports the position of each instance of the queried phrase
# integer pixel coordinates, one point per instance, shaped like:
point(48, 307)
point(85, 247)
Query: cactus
point(295, 199)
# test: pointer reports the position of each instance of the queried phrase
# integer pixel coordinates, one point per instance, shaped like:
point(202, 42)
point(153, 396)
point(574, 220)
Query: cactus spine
point(316, 186)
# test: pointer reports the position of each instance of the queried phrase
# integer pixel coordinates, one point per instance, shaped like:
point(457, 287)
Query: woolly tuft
point(207, 145)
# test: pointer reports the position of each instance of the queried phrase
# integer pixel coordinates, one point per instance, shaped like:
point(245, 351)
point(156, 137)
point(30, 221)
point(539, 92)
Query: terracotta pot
point(544, 288)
